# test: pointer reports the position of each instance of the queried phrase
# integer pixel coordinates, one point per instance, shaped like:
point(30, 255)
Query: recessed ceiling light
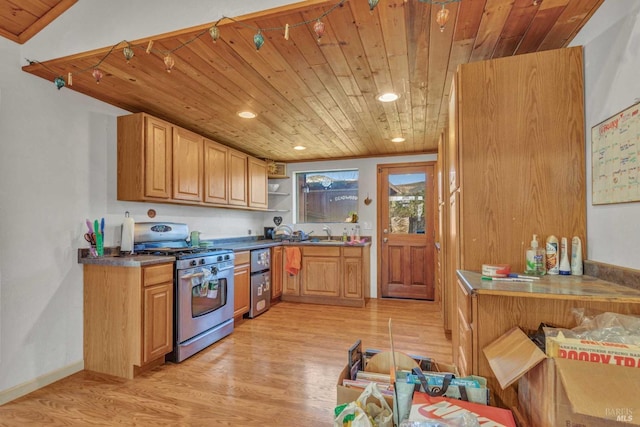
point(387, 97)
point(398, 139)
point(299, 147)
point(247, 114)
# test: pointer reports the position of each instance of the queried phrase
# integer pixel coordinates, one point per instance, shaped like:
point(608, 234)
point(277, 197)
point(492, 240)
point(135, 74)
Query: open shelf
point(277, 193)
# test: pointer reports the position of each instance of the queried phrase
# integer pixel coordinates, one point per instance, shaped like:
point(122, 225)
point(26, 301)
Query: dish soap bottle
point(534, 259)
point(345, 236)
point(565, 267)
point(552, 255)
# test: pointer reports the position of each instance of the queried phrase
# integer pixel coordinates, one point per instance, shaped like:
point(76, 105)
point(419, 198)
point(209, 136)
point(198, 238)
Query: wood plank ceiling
point(22, 19)
point(320, 94)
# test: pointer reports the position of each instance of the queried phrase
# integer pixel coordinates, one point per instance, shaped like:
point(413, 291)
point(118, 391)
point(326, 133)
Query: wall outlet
point(367, 225)
point(249, 232)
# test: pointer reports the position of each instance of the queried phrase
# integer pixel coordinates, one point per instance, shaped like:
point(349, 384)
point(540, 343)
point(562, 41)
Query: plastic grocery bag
point(352, 415)
point(369, 410)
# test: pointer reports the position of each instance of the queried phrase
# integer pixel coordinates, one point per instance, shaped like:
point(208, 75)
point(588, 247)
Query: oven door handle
point(190, 276)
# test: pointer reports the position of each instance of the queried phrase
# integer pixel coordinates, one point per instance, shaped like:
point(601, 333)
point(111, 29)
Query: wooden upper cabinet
point(216, 173)
point(187, 165)
point(144, 158)
point(257, 173)
point(158, 161)
point(238, 178)
point(521, 153)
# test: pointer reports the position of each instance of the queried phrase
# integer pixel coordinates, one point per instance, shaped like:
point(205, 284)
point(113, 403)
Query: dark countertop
point(552, 287)
point(115, 258)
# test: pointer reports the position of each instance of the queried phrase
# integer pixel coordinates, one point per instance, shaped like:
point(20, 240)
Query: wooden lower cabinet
point(128, 318)
point(463, 335)
point(277, 268)
point(334, 275)
point(486, 313)
point(241, 284)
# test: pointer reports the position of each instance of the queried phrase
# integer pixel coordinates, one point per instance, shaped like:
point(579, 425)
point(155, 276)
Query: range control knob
point(192, 262)
point(214, 270)
point(202, 261)
point(219, 258)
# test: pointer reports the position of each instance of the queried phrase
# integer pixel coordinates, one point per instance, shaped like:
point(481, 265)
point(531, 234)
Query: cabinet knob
point(384, 240)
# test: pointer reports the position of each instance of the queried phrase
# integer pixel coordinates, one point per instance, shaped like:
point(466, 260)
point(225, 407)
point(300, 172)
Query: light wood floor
point(279, 369)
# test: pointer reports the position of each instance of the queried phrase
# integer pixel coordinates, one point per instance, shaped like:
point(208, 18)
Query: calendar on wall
point(615, 149)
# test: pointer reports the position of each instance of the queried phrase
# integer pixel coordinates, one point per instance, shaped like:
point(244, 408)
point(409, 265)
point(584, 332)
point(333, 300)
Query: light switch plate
point(366, 225)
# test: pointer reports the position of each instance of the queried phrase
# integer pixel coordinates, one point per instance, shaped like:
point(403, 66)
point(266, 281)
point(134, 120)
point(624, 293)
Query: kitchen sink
point(324, 242)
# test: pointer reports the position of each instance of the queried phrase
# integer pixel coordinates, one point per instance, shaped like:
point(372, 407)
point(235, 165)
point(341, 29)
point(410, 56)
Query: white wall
point(58, 167)
point(611, 41)
point(367, 185)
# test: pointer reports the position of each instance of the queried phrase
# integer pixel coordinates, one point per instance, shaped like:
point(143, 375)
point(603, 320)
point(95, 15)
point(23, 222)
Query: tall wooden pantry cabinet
point(513, 165)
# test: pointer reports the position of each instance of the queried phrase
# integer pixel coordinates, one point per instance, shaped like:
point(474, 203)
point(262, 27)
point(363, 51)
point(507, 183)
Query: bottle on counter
point(551, 255)
point(535, 259)
point(345, 236)
point(576, 256)
point(565, 267)
point(357, 233)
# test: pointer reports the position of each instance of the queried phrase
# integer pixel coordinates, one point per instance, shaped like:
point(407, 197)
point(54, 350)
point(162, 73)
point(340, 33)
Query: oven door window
point(208, 296)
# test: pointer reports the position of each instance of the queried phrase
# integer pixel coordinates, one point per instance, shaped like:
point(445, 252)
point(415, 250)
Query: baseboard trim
point(39, 382)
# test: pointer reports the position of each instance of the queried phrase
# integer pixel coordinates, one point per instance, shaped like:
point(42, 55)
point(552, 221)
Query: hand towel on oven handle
point(204, 284)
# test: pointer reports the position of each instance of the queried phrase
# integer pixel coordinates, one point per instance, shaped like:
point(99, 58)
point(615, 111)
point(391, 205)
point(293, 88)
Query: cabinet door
point(242, 296)
point(276, 271)
point(352, 277)
point(237, 178)
point(257, 183)
point(452, 262)
point(216, 179)
point(157, 158)
point(464, 334)
point(452, 150)
point(290, 284)
point(157, 335)
point(187, 165)
point(320, 276)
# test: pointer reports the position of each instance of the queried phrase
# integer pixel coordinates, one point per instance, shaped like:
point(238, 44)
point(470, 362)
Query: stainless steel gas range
point(203, 286)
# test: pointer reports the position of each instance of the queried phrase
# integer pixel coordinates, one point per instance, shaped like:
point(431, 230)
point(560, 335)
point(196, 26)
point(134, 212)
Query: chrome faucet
point(327, 230)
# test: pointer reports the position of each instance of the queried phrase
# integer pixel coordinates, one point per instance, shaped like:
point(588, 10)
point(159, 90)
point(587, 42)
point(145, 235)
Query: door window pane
point(406, 203)
point(326, 196)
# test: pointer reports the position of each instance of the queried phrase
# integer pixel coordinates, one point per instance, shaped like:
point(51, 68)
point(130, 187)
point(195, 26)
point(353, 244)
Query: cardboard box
point(380, 364)
point(561, 392)
point(593, 351)
point(347, 394)
point(428, 408)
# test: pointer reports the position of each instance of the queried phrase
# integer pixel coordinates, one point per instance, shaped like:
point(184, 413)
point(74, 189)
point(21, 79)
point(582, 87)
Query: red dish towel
point(293, 260)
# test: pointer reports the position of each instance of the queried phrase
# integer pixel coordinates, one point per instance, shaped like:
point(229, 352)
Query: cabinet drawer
point(321, 251)
point(464, 302)
point(352, 252)
point(242, 258)
point(156, 274)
